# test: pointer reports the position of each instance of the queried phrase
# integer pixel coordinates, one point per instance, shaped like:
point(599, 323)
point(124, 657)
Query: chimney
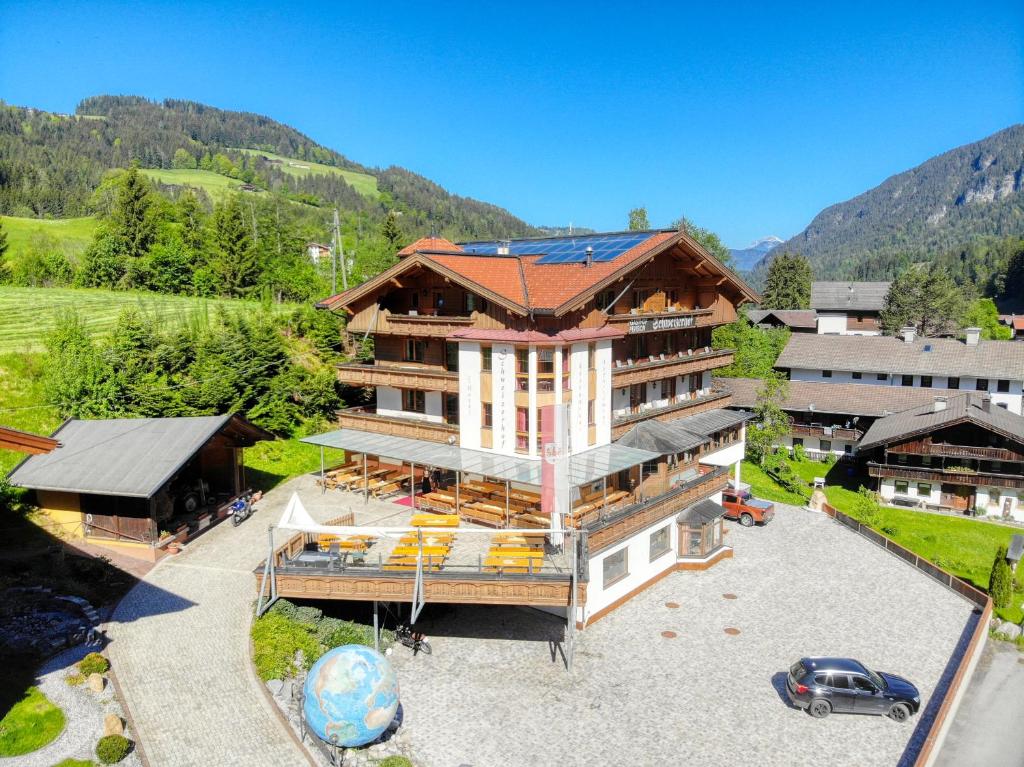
point(908, 334)
point(973, 336)
point(590, 256)
point(986, 403)
point(939, 405)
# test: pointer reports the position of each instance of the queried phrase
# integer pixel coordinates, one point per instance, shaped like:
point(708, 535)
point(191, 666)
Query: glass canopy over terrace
point(584, 468)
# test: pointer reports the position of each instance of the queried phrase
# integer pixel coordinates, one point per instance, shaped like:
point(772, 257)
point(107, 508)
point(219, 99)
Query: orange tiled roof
point(500, 275)
point(428, 243)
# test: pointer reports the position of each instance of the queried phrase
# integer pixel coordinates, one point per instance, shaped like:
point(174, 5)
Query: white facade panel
point(579, 372)
point(603, 395)
point(470, 407)
point(389, 401)
point(533, 427)
point(829, 322)
point(503, 375)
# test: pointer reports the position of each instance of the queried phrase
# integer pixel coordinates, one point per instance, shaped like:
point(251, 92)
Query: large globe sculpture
point(351, 695)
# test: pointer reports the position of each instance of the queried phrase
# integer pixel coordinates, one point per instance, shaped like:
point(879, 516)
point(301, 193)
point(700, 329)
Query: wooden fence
point(965, 665)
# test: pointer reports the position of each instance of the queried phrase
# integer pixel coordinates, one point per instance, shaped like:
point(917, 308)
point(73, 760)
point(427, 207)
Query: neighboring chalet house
point(117, 482)
point(826, 417)
point(318, 252)
point(995, 367)
point(961, 453)
point(472, 340)
point(797, 320)
point(848, 308)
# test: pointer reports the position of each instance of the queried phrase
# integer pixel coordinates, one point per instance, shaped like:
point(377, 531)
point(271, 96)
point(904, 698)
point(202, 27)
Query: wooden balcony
point(656, 322)
point(674, 365)
point(354, 374)
point(414, 325)
point(625, 521)
point(927, 447)
point(919, 474)
point(366, 420)
point(716, 399)
point(826, 432)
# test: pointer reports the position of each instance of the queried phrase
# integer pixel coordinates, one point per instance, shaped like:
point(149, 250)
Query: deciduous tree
point(638, 220)
point(788, 284)
point(982, 313)
point(706, 239)
point(770, 421)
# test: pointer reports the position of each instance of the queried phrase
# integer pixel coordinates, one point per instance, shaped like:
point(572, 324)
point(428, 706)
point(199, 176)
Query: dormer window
point(473, 303)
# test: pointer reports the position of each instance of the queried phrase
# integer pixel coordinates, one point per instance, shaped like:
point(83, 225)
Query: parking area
point(692, 668)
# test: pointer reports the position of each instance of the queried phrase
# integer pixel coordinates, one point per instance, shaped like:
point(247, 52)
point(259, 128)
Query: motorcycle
point(412, 639)
point(242, 509)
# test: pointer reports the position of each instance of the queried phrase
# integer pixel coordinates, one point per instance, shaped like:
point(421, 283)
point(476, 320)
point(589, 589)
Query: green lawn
point(270, 463)
point(21, 394)
point(962, 546)
point(31, 723)
point(215, 184)
point(76, 763)
point(74, 234)
point(26, 314)
point(363, 183)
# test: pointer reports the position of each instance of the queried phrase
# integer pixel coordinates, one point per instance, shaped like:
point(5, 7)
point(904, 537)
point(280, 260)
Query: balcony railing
point(952, 477)
point(828, 432)
point(366, 420)
point(628, 372)
point(419, 325)
point(355, 374)
point(684, 402)
point(925, 447)
point(623, 521)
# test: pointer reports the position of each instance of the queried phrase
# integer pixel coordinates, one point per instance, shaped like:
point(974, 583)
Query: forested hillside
point(51, 164)
point(946, 208)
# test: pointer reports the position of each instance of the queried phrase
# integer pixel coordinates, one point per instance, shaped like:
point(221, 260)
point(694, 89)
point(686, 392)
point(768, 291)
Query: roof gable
point(926, 418)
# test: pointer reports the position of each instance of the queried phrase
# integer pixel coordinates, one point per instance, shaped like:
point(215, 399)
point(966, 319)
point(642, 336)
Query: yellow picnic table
point(412, 551)
point(434, 520)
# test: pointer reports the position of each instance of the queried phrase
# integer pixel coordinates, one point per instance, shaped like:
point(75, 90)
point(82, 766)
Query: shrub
point(891, 531)
point(830, 458)
point(74, 680)
point(93, 663)
point(799, 453)
point(1000, 582)
point(276, 639)
point(111, 749)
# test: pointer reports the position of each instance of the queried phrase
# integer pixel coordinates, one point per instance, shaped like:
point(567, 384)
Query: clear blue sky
point(747, 119)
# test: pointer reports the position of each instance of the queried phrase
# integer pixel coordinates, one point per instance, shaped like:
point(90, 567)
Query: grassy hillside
point(363, 183)
point(21, 401)
point(27, 314)
point(74, 234)
point(214, 184)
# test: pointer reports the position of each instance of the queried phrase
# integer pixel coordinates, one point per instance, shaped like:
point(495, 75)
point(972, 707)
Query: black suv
point(823, 685)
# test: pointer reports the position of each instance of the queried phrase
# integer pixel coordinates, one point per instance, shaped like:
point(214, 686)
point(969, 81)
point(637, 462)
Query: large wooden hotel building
point(472, 341)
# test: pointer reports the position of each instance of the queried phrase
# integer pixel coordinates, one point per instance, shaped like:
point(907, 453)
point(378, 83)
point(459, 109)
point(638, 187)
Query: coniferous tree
point(389, 228)
point(5, 270)
point(638, 220)
point(233, 259)
point(926, 299)
point(130, 218)
point(788, 285)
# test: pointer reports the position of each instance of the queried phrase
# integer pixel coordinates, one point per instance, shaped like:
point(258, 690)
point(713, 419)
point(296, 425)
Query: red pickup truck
point(741, 505)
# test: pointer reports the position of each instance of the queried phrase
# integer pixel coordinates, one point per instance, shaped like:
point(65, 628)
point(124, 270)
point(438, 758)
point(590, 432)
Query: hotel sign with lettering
point(654, 324)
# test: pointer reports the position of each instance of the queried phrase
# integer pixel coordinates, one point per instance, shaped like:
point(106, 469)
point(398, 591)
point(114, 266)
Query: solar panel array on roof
point(564, 250)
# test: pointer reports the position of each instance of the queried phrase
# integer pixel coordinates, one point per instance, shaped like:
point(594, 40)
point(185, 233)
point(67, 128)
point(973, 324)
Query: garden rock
point(274, 685)
point(113, 725)
point(96, 682)
point(1011, 630)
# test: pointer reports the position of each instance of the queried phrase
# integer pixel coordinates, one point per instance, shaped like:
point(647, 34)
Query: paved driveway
point(803, 585)
point(179, 645)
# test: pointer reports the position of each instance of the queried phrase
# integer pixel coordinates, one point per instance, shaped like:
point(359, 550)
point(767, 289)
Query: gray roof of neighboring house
point(853, 296)
point(122, 456)
point(701, 512)
point(682, 434)
point(791, 318)
point(924, 419)
point(888, 354)
point(860, 399)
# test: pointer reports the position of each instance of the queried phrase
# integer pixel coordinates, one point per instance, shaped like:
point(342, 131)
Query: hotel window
point(661, 542)
point(451, 408)
point(545, 370)
point(414, 401)
point(902, 486)
point(590, 413)
point(438, 301)
point(616, 567)
point(640, 298)
point(798, 441)
point(926, 381)
point(997, 467)
point(901, 459)
point(604, 299)
point(1002, 385)
point(981, 384)
point(415, 350)
point(926, 460)
point(924, 489)
point(826, 373)
point(474, 304)
point(487, 413)
point(881, 376)
point(451, 356)
point(855, 375)
point(522, 443)
point(908, 380)
point(640, 347)
point(952, 382)
point(522, 361)
point(415, 300)
point(826, 446)
point(591, 356)
point(522, 419)
point(485, 359)
point(670, 343)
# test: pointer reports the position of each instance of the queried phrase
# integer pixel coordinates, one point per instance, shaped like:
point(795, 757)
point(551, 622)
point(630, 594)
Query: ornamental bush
point(1000, 582)
point(111, 749)
point(94, 663)
point(799, 453)
point(394, 761)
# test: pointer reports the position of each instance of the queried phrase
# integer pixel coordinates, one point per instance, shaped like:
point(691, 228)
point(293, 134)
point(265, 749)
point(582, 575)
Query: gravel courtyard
point(495, 691)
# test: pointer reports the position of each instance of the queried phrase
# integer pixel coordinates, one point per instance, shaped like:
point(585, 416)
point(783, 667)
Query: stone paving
point(495, 691)
point(180, 649)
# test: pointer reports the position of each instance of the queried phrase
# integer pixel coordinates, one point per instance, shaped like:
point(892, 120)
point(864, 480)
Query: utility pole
point(334, 257)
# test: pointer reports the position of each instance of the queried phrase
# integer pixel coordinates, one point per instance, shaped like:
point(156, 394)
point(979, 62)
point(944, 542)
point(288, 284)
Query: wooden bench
point(412, 551)
point(432, 538)
point(434, 520)
point(530, 520)
point(511, 550)
point(482, 514)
